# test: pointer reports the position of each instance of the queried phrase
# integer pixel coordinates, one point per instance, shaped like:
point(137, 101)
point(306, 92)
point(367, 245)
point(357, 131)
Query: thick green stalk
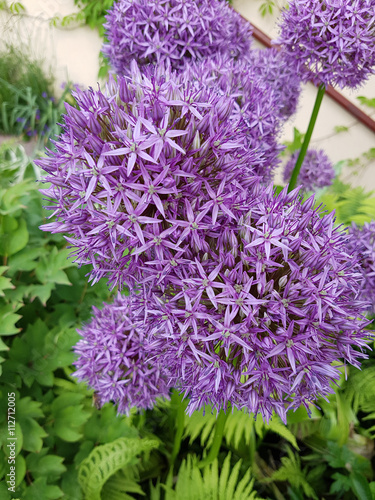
point(180, 424)
point(218, 437)
point(306, 142)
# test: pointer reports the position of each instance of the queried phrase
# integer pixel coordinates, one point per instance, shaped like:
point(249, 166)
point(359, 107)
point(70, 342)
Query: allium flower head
point(330, 41)
point(363, 241)
point(113, 359)
point(257, 320)
point(142, 171)
point(316, 172)
point(273, 68)
point(256, 105)
point(154, 31)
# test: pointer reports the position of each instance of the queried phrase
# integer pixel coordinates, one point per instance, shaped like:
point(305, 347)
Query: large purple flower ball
point(364, 242)
point(174, 31)
point(256, 105)
point(113, 359)
point(330, 42)
point(316, 172)
point(273, 68)
point(142, 170)
point(257, 320)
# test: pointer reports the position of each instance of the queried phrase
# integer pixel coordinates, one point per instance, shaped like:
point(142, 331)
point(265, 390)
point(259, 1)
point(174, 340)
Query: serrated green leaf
point(33, 435)
point(69, 416)
point(8, 320)
point(50, 269)
point(41, 490)
point(13, 236)
point(5, 283)
point(44, 464)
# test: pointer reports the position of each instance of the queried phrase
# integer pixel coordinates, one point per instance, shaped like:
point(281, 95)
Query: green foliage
point(43, 298)
point(291, 471)
point(366, 101)
point(107, 459)
point(267, 8)
point(295, 144)
point(93, 12)
point(240, 428)
point(350, 204)
point(27, 104)
point(194, 483)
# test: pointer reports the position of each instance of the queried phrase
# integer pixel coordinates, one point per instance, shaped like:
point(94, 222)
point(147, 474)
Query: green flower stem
point(306, 142)
point(218, 437)
point(180, 424)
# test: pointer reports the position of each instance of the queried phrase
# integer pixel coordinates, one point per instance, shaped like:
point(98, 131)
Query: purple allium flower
point(143, 170)
point(256, 105)
point(113, 359)
point(154, 31)
point(316, 172)
point(273, 68)
point(257, 318)
point(363, 241)
point(330, 41)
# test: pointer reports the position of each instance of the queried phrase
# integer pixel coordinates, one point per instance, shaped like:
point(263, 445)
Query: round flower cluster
point(113, 359)
point(142, 170)
point(152, 32)
point(256, 105)
point(330, 42)
point(316, 172)
point(272, 66)
point(364, 241)
point(257, 318)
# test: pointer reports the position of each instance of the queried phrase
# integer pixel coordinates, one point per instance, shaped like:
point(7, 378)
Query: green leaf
point(360, 486)
point(4, 493)
point(8, 320)
point(40, 490)
point(16, 439)
point(50, 269)
point(341, 484)
point(340, 128)
point(20, 469)
point(366, 101)
point(107, 459)
point(33, 435)
point(69, 416)
point(5, 283)
point(26, 259)
point(43, 464)
point(13, 235)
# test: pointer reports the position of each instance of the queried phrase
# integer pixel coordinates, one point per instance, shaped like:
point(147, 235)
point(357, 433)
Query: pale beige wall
point(341, 146)
point(73, 54)
point(70, 53)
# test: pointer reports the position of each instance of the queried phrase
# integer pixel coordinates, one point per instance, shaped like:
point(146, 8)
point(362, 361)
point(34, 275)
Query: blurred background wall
point(72, 53)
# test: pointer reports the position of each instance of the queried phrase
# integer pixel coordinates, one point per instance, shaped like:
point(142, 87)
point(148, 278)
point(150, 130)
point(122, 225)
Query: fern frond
point(350, 204)
point(360, 389)
point(118, 486)
point(200, 424)
point(240, 427)
point(275, 425)
point(106, 460)
point(291, 471)
point(207, 484)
